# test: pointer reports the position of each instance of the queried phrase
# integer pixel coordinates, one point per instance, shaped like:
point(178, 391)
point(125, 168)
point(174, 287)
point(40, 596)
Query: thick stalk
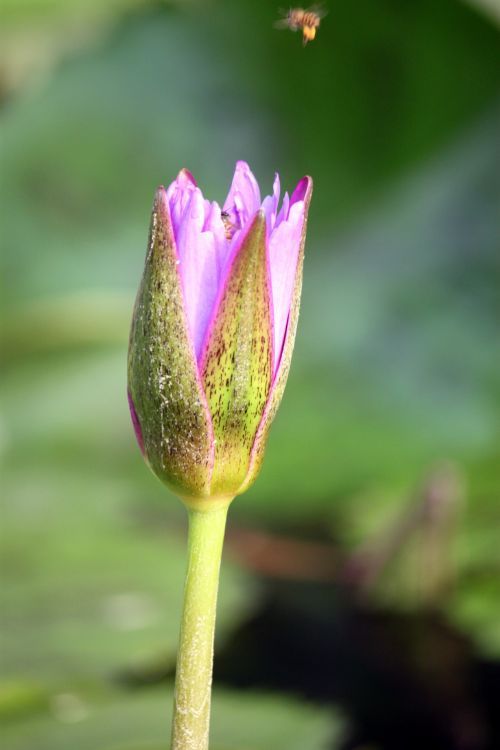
point(193, 680)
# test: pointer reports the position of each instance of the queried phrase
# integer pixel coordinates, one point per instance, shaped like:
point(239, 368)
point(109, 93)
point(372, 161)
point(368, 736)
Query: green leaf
point(142, 721)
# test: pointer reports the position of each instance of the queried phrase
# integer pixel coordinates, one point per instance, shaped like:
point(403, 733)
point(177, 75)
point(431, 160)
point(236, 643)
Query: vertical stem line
point(193, 680)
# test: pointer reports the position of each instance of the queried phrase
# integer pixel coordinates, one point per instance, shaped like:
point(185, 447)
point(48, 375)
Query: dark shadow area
point(407, 681)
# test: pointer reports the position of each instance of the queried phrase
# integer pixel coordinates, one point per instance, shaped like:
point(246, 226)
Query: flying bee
point(229, 227)
point(306, 20)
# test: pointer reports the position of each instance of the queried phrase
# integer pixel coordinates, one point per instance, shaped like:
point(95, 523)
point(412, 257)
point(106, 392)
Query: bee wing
point(284, 21)
point(320, 10)
point(281, 24)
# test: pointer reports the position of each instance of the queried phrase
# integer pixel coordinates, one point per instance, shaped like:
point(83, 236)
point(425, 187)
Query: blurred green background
point(381, 482)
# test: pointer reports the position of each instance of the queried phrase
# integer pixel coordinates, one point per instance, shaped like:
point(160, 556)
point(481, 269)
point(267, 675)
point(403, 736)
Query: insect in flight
point(306, 20)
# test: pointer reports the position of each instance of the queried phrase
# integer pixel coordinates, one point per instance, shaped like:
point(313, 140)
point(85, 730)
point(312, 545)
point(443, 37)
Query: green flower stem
point(193, 680)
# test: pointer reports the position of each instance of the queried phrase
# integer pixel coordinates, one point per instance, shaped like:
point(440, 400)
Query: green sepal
point(237, 363)
point(163, 377)
point(281, 377)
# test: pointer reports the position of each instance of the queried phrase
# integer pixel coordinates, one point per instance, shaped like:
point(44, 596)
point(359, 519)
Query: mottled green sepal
point(237, 363)
point(163, 379)
point(281, 377)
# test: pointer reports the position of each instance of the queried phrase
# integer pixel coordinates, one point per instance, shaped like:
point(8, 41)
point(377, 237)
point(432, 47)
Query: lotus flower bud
point(213, 331)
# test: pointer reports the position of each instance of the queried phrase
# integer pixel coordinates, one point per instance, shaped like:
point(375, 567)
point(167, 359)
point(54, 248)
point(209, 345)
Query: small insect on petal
point(229, 227)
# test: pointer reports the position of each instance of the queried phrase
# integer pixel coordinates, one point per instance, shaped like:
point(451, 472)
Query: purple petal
point(301, 190)
point(270, 204)
point(199, 267)
point(243, 199)
point(178, 196)
point(136, 423)
point(204, 250)
point(283, 214)
point(213, 223)
point(284, 245)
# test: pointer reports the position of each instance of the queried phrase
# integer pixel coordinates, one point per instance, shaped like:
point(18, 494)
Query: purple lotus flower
point(213, 330)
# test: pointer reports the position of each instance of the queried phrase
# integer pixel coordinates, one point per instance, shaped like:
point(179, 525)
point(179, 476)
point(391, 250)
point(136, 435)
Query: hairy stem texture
point(193, 681)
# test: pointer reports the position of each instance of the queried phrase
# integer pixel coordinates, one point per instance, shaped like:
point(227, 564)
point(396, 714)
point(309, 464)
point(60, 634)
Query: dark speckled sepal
point(163, 380)
point(237, 362)
point(286, 358)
